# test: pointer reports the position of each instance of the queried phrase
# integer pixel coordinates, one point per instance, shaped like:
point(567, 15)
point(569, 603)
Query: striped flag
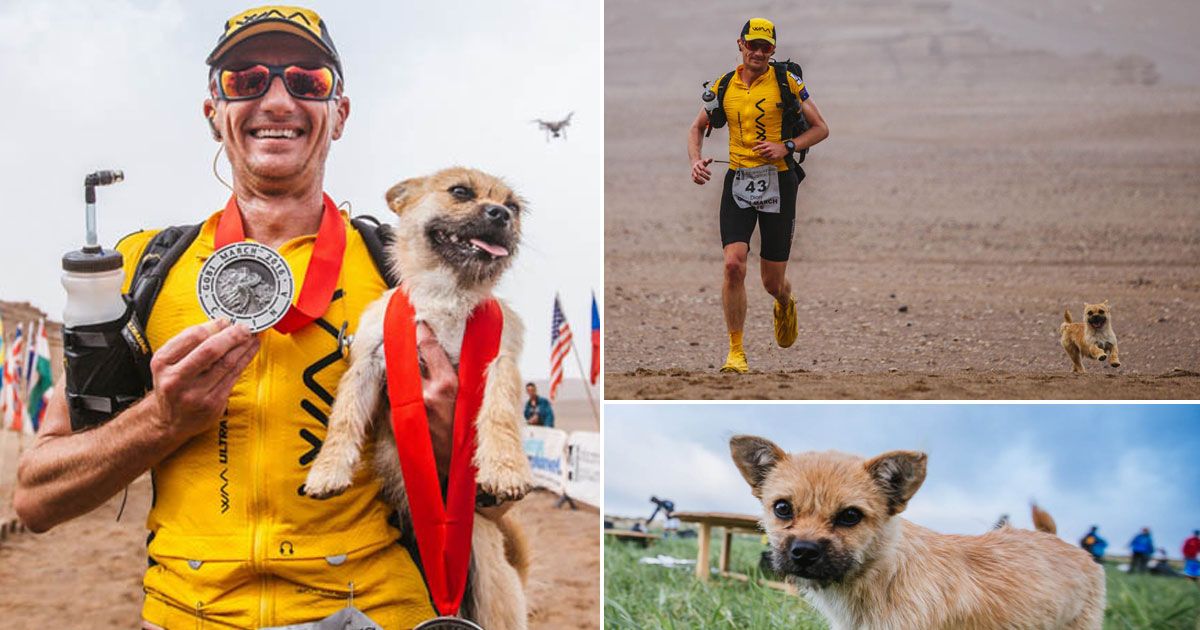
point(14, 411)
point(560, 345)
point(3, 372)
point(40, 379)
point(595, 340)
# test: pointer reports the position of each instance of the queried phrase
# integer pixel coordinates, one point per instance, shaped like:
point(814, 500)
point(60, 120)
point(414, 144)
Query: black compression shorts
point(737, 223)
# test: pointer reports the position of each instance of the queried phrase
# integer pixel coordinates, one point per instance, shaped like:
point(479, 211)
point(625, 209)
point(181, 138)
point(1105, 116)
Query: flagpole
point(586, 386)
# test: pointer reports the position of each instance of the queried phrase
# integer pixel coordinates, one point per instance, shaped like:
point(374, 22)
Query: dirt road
point(974, 185)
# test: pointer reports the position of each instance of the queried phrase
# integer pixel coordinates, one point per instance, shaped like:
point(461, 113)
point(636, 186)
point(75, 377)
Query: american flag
point(560, 345)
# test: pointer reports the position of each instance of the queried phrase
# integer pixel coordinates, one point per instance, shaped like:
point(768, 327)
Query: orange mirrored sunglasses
point(310, 84)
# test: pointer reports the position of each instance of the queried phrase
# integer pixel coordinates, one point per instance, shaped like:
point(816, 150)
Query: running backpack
point(794, 122)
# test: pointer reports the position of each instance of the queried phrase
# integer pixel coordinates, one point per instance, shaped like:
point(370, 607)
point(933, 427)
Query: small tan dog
point(831, 522)
point(1093, 337)
point(457, 232)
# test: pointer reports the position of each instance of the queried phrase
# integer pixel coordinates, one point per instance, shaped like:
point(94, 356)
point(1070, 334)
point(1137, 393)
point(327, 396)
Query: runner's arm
point(817, 129)
point(68, 474)
point(700, 172)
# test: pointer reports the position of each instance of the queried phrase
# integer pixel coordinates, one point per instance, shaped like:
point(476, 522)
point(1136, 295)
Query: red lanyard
point(320, 280)
point(443, 530)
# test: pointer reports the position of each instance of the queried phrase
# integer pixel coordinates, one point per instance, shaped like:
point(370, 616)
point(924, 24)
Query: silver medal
point(447, 623)
point(248, 283)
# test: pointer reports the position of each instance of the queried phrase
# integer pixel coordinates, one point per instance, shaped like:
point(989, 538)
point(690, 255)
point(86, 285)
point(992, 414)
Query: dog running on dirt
point(1093, 337)
point(457, 232)
point(833, 531)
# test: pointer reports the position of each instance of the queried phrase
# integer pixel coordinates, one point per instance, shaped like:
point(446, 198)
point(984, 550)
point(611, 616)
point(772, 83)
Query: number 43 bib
point(757, 188)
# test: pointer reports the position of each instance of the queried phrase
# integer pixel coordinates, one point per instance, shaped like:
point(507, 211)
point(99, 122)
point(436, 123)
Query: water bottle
point(101, 377)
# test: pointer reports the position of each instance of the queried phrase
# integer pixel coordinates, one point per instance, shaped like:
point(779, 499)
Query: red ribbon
point(443, 530)
point(320, 280)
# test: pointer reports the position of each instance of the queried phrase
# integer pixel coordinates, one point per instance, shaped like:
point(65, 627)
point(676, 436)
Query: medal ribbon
point(443, 530)
point(320, 280)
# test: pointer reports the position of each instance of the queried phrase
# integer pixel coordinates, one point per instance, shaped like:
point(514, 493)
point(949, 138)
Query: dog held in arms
point(1091, 338)
point(457, 232)
point(832, 525)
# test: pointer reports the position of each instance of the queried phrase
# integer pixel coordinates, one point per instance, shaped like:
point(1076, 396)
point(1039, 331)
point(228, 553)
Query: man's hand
point(440, 387)
point(700, 172)
point(194, 373)
point(771, 150)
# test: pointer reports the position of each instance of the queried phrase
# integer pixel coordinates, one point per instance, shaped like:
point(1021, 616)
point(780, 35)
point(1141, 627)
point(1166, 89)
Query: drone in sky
point(554, 128)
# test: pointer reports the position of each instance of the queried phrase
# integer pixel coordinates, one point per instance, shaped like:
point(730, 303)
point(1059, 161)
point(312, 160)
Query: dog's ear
point(898, 474)
point(754, 457)
point(401, 195)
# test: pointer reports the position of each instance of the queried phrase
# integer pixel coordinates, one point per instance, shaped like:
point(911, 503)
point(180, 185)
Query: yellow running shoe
point(785, 324)
point(736, 362)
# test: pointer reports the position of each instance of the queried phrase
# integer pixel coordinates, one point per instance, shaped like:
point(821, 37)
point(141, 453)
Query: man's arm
point(68, 474)
point(548, 414)
point(700, 172)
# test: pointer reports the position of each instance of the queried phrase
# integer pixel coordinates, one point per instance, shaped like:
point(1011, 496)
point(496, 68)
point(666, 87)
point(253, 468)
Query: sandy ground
point(88, 572)
point(980, 177)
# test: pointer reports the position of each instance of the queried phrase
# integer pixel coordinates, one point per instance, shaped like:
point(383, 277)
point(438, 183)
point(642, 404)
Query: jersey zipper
point(258, 511)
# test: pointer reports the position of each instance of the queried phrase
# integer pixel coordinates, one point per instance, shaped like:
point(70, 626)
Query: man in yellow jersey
point(234, 419)
point(760, 186)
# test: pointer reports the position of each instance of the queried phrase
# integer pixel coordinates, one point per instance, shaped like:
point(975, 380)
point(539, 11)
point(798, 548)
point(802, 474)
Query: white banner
point(584, 458)
point(546, 449)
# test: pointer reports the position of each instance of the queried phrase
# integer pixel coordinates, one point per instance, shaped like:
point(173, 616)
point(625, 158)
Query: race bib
point(757, 188)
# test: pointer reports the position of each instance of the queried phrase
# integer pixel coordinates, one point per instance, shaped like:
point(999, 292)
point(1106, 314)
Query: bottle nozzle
point(103, 178)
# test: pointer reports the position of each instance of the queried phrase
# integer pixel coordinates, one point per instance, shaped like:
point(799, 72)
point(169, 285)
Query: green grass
point(650, 597)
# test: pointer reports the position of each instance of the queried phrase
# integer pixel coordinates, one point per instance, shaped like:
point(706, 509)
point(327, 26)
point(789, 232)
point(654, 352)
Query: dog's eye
point(848, 517)
point(462, 193)
point(783, 510)
point(514, 207)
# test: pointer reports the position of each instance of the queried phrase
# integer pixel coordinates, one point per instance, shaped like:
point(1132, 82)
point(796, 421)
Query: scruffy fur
point(885, 573)
point(446, 276)
point(1093, 337)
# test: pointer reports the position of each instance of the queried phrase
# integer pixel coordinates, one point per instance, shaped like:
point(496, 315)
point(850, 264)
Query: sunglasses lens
point(247, 83)
point(316, 84)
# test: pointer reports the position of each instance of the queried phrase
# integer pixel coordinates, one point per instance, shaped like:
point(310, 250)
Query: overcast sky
point(1117, 466)
point(119, 84)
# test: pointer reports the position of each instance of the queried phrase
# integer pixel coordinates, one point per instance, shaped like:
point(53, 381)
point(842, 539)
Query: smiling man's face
point(277, 143)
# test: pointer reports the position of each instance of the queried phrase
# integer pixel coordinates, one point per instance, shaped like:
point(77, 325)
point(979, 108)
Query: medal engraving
point(248, 283)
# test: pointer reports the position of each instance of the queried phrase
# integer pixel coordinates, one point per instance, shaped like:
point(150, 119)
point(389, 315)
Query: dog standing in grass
point(457, 232)
point(1093, 337)
point(832, 525)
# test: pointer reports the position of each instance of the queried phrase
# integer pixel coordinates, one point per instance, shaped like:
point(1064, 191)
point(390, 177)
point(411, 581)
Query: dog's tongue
point(494, 250)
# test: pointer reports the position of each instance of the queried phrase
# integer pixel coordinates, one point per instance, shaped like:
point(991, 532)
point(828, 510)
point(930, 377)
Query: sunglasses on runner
point(310, 84)
point(759, 45)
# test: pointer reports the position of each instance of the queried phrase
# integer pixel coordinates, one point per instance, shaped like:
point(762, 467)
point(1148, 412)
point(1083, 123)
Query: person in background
point(1191, 566)
point(537, 409)
point(1142, 547)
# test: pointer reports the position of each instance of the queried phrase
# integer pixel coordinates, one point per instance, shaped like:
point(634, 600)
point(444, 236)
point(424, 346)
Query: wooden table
point(732, 523)
point(642, 538)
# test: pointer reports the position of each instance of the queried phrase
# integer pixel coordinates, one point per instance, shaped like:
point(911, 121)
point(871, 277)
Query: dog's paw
point(1102, 358)
point(323, 483)
point(504, 483)
point(1115, 364)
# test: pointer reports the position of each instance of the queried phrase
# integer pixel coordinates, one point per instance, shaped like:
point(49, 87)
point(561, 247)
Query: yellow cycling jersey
point(232, 541)
point(755, 114)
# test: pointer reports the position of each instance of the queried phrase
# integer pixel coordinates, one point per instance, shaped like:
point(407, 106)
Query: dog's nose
point(497, 214)
point(804, 552)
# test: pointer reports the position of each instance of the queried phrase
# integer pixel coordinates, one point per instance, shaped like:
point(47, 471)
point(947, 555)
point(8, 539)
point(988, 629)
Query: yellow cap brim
point(267, 26)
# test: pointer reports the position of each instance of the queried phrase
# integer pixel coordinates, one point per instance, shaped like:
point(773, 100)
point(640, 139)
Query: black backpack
point(794, 122)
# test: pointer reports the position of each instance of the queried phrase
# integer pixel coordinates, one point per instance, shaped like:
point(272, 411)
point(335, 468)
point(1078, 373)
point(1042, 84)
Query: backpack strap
point(794, 123)
point(378, 238)
point(160, 254)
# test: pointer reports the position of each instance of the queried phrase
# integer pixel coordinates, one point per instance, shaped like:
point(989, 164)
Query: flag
point(3, 381)
point(40, 379)
point(14, 411)
point(595, 340)
point(560, 345)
